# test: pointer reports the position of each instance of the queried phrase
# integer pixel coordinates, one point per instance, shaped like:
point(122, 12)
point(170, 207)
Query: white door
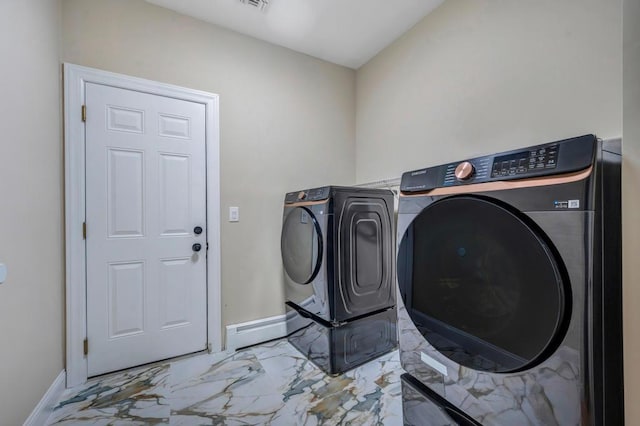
point(145, 195)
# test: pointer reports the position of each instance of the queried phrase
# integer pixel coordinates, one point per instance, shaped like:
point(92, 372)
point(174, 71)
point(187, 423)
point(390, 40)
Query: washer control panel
point(559, 157)
point(525, 161)
point(315, 194)
point(469, 170)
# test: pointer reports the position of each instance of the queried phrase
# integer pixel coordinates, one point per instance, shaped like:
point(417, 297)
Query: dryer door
point(483, 285)
point(301, 245)
point(302, 257)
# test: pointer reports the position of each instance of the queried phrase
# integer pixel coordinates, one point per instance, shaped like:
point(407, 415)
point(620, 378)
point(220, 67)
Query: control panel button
point(302, 195)
point(464, 170)
point(524, 162)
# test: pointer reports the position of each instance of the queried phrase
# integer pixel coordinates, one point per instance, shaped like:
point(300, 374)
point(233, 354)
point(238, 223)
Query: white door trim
point(75, 77)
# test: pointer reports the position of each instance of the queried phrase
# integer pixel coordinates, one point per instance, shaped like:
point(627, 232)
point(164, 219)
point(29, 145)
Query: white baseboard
point(43, 410)
point(253, 332)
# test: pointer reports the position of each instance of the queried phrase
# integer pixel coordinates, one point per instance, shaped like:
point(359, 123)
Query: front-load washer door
point(482, 284)
point(302, 256)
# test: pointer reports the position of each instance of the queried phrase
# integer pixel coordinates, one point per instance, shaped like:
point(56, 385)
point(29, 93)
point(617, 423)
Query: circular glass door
point(482, 285)
point(301, 245)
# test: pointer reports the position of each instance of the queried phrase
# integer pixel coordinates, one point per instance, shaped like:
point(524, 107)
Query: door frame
point(75, 78)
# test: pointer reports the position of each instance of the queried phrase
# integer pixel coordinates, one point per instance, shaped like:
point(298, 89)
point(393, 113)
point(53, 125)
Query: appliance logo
point(419, 172)
point(567, 204)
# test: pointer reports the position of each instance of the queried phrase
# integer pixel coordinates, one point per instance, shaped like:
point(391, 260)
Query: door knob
point(197, 230)
point(196, 247)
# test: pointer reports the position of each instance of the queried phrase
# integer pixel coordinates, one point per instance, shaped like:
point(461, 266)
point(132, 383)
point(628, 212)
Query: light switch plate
point(3, 272)
point(234, 214)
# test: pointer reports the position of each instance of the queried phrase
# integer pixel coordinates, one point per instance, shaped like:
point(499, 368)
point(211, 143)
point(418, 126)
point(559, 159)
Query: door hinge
point(85, 346)
point(84, 230)
point(84, 113)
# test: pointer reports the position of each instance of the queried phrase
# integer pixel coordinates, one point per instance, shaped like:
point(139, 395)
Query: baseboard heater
point(254, 332)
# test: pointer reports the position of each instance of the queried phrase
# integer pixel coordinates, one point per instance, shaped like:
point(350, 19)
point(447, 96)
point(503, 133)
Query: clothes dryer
point(338, 254)
point(509, 268)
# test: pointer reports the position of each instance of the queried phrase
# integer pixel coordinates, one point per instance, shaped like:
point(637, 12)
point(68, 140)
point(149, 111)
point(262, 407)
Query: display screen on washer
point(525, 161)
point(482, 285)
point(301, 245)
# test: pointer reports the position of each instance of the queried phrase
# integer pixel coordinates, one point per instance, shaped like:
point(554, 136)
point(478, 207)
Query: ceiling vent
point(260, 4)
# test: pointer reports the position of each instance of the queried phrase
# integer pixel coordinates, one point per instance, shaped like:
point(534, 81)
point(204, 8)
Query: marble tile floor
point(269, 384)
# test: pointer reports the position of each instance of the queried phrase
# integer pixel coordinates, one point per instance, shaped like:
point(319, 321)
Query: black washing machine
point(338, 254)
point(509, 269)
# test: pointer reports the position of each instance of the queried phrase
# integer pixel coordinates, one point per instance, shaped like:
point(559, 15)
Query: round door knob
point(197, 230)
point(196, 247)
point(464, 170)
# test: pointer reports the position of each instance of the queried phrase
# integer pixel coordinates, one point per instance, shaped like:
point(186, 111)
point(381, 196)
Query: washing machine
point(337, 249)
point(509, 271)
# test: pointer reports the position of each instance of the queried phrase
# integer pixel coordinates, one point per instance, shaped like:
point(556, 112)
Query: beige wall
point(480, 76)
point(631, 207)
point(31, 300)
point(287, 122)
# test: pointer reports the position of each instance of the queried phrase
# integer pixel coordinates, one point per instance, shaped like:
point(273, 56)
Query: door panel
point(146, 191)
point(175, 301)
point(175, 127)
point(126, 302)
point(125, 190)
point(175, 214)
point(125, 119)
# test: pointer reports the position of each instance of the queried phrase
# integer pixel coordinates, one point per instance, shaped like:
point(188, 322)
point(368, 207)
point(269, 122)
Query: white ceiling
point(345, 32)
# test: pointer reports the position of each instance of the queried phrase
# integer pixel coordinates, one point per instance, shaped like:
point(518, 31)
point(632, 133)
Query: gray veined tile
point(272, 349)
point(202, 369)
point(270, 384)
point(289, 370)
point(191, 366)
point(233, 391)
point(205, 380)
point(134, 397)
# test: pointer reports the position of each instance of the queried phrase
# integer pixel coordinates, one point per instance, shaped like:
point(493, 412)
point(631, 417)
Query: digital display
point(525, 161)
